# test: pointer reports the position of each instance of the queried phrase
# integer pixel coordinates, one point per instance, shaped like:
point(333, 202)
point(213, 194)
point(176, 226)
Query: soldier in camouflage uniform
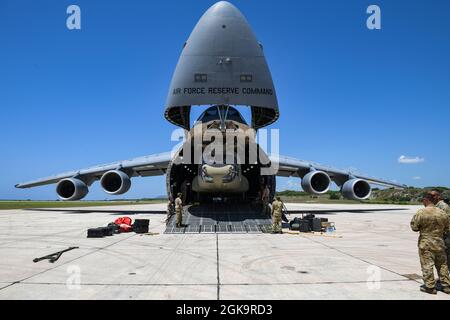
point(432, 223)
point(265, 200)
point(277, 208)
point(170, 210)
point(439, 203)
point(179, 210)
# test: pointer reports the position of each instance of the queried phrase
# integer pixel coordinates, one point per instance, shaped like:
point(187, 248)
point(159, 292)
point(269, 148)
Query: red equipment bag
point(124, 224)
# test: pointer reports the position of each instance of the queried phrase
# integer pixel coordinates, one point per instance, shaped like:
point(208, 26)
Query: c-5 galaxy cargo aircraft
point(222, 66)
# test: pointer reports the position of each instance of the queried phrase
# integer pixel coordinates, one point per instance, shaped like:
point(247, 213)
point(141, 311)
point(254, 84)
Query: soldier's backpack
point(114, 228)
point(294, 224)
point(304, 226)
point(301, 225)
point(316, 225)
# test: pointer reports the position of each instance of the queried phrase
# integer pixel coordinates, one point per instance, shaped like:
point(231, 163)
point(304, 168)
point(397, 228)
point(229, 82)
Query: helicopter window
point(228, 114)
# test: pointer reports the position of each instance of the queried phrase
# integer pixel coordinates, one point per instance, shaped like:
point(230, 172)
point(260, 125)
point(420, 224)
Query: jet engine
point(356, 189)
point(115, 182)
point(316, 182)
point(71, 189)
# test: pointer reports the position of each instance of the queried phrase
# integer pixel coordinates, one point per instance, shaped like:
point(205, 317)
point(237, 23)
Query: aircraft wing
point(289, 167)
point(152, 165)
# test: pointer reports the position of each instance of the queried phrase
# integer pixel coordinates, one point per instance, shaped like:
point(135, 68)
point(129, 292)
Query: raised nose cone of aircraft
point(224, 9)
point(222, 63)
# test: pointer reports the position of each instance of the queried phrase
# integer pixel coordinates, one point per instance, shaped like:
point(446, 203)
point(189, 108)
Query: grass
point(308, 199)
point(326, 200)
point(7, 205)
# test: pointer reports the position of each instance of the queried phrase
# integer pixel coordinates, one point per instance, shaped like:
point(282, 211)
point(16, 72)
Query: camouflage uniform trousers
point(179, 217)
point(429, 259)
point(169, 213)
point(266, 208)
point(447, 248)
point(276, 222)
point(443, 206)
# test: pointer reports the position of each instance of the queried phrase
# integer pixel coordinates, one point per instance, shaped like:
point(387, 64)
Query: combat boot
point(428, 290)
point(445, 289)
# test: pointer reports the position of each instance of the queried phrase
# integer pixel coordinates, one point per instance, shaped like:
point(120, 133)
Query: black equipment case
point(141, 225)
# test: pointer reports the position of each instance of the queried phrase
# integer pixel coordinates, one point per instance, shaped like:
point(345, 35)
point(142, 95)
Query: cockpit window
point(221, 112)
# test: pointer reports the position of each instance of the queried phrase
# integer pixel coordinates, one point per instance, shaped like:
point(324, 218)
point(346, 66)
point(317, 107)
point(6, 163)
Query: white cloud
point(292, 184)
point(417, 178)
point(410, 160)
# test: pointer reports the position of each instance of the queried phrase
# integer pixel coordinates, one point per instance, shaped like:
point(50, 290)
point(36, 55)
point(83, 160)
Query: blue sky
point(349, 97)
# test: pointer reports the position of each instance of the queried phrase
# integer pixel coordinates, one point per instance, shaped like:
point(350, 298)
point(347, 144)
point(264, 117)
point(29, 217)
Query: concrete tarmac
point(373, 255)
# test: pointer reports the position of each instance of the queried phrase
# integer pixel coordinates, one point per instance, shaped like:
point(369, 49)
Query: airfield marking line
point(218, 266)
point(357, 258)
point(211, 284)
point(69, 261)
point(309, 283)
point(128, 284)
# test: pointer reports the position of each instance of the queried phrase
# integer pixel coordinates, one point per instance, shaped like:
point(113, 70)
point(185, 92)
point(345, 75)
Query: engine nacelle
point(356, 189)
point(71, 189)
point(316, 182)
point(115, 182)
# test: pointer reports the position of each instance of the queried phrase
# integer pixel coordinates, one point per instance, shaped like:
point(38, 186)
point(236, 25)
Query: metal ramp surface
point(221, 218)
